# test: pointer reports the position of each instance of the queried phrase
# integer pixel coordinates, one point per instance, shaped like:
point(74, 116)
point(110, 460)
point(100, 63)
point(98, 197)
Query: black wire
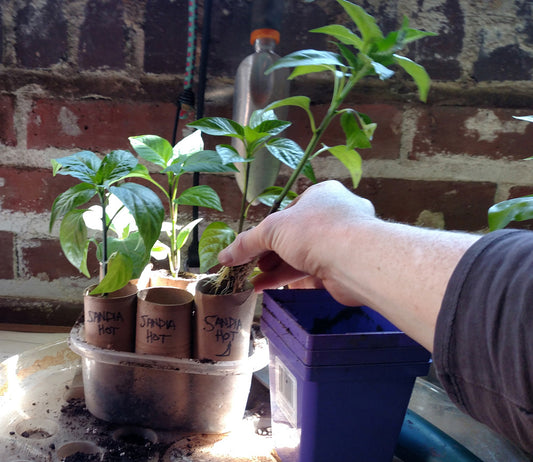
point(193, 257)
point(176, 123)
point(186, 98)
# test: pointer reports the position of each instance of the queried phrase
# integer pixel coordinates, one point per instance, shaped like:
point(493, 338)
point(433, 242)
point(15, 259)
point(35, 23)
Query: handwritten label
point(156, 323)
point(102, 318)
point(147, 321)
point(152, 337)
point(224, 329)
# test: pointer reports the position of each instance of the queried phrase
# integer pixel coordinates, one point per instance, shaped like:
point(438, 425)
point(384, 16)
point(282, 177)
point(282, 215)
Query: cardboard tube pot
point(164, 322)
point(110, 319)
point(223, 323)
point(162, 278)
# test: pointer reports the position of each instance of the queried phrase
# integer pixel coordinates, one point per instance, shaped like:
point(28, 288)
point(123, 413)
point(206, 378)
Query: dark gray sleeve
point(483, 350)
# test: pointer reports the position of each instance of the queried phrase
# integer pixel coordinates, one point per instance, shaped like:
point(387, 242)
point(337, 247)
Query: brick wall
point(87, 74)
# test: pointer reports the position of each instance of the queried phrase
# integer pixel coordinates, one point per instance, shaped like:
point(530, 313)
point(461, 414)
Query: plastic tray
point(164, 392)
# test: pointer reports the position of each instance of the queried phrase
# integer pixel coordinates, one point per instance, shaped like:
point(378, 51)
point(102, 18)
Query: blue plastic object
point(340, 378)
point(421, 441)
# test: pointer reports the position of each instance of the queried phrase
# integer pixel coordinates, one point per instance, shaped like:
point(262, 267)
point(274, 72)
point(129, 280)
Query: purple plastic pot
point(340, 378)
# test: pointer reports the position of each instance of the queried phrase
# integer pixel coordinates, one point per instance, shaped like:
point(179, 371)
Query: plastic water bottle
point(255, 90)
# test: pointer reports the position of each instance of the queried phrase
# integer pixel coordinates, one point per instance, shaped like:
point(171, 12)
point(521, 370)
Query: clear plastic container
point(164, 392)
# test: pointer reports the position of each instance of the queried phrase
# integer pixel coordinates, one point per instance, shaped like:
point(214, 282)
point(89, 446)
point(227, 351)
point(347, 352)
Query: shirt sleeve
point(483, 350)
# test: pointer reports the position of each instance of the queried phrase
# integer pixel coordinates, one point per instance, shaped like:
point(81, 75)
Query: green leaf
point(309, 172)
point(228, 154)
point(200, 196)
point(306, 58)
point(269, 195)
point(146, 208)
point(272, 127)
point(286, 150)
point(290, 153)
point(73, 240)
point(132, 246)
point(300, 101)
point(216, 237)
point(140, 171)
point(418, 73)
point(353, 61)
point(70, 199)
point(528, 118)
point(341, 33)
point(519, 209)
point(152, 148)
point(303, 102)
point(355, 136)
point(189, 145)
point(397, 40)
point(115, 166)
point(218, 126)
point(160, 251)
point(119, 273)
point(304, 70)
point(83, 165)
point(370, 32)
point(383, 72)
point(351, 160)
point(260, 115)
point(410, 35)
point(254, 138)
point(184, 233)
point(205, 161)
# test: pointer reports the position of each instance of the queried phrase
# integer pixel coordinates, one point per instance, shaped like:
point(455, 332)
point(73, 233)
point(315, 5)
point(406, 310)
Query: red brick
point(41, 34)
point(509, 62)
point(7, 128)
point(7, 242)
point(519, 191)
point(491, 133)
point(96, 125)
point(44, 259)
point(26, 190)
point(464, 205)
point(387, 137)
point(165, 31)
point(103, 36)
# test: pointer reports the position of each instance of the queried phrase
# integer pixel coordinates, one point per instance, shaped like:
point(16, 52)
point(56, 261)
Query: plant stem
point(104, 235)
point(337, 98)
point(236, 275)
point(317, 134)
point(242, 214)
point(173, 258)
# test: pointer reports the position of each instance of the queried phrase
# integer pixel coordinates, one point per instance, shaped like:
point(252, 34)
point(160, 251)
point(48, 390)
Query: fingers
point(282, 275)
point(247, 246)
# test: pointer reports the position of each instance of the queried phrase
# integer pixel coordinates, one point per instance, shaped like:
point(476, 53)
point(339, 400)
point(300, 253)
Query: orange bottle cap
point(264, 33)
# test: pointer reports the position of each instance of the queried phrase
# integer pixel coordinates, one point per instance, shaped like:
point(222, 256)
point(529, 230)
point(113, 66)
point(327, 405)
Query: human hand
point(303, 244)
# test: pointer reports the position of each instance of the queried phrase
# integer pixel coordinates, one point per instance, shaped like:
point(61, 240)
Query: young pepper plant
point(518, 209)
point(261, 131)
point(188, 156)
point(361, 54)
point(123, 257)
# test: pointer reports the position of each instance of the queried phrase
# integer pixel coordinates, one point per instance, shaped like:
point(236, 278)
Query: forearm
point(398, 270)
point(333, 235)
point(483, 345)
